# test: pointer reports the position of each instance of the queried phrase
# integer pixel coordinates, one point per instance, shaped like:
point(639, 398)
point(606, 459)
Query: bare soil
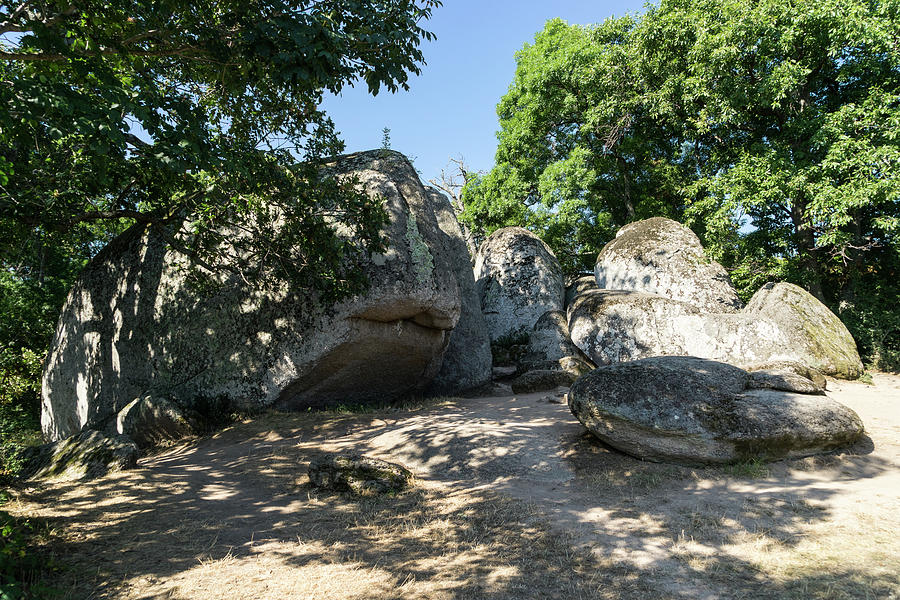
point(513, 500)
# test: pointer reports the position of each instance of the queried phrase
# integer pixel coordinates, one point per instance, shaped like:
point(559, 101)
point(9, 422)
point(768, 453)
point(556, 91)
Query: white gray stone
point(613, 326)
point(618, 326)
point(817, 337)
point(467, 360)
point(133, 325)
point(518, 279)
point(662, 256)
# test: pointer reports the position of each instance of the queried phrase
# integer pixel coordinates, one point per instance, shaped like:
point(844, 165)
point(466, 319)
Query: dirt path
point(514, 501)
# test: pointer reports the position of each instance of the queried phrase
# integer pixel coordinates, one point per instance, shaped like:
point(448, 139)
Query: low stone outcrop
point(662, 256)
point(542, 380)
point(88, 455)
point(788, 367)
point(694, 411)
point(358, 475)
point(149, 421)
point(467, 361)
point(518, 279)
point(133, 325)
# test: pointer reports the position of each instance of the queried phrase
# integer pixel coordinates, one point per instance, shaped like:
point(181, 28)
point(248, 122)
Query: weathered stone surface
point(694, 411)
point(542, 380)
point(576, 365)
point(549, 339)
point(467, 360)
point(618, 326)
point(88, 455)
point(132, 325)
point(786, 366)
point(518, 279)
point(661, 256)
point(582, 284)
point(785, 381)
point(359, 475)
point(151, 420)
point(818, 338)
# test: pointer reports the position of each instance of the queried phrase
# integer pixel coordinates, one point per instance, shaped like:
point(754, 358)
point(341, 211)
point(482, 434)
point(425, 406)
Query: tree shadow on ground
point(513, 501)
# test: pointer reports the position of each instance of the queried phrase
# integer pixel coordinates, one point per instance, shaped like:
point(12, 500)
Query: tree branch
point(45, 57)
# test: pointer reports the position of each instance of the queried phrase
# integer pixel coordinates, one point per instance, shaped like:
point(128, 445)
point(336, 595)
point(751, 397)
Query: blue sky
point(450, 109)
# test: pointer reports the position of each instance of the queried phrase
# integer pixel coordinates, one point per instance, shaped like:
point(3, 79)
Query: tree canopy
point(195, 117)
point(770, 127)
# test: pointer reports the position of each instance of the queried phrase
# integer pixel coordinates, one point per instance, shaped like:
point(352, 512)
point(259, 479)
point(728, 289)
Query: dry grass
point(233, 515)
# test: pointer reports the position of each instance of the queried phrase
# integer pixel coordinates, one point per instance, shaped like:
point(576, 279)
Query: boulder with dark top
point(134, 324)
point(818, 339)
point(149, 421)
point(693, 411)
point(662, 256)
point(518, 279)
point(467, 361)
point(88, 455)
point(358, 475)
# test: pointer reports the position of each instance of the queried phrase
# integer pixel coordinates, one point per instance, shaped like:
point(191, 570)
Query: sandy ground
point(513, 500)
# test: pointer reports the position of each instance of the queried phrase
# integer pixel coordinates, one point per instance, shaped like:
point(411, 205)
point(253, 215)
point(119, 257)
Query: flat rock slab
point(694, 411)
point(358, 475)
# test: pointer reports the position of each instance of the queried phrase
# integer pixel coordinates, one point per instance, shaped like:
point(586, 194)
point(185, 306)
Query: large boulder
point(662, 256)
point(613, 326)
point(694, 411)
point(87, 455)
point(818, 338)
point(550, 340)
point(518, 279)
point(134, 324)
point(467, 360)
point(618, 326)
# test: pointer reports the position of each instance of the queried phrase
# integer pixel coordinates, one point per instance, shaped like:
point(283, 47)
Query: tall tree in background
point(190, 116)
point(578, 157)
point(772, 127)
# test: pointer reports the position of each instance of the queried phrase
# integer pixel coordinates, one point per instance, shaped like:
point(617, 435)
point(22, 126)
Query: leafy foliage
point(770, 127)
point(20, 565)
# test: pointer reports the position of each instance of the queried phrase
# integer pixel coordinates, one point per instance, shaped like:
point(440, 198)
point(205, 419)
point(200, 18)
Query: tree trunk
point(806, 248)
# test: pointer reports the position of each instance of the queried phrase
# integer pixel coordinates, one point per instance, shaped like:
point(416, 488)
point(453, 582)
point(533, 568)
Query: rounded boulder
point(518, 279)
point(694, 411)
point(662, 256)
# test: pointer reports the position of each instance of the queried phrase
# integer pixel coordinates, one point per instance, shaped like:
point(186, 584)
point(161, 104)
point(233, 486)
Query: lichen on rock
point(423, 262)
